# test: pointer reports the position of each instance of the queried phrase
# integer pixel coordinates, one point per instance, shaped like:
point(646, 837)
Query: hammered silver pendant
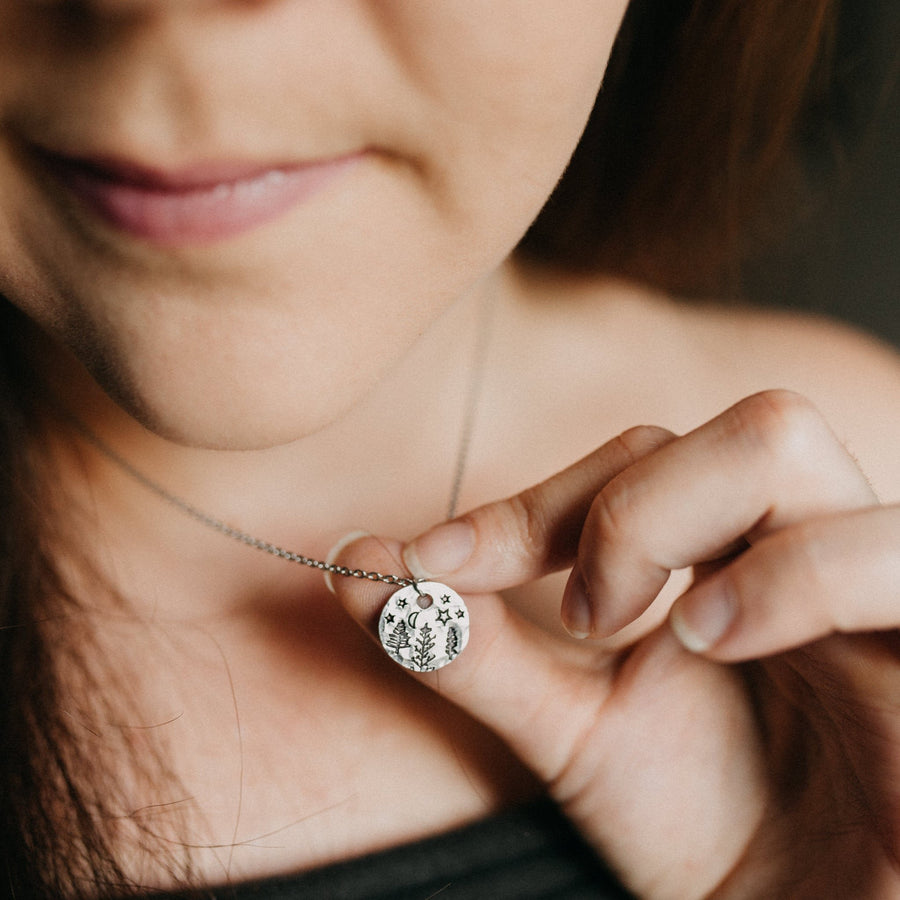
point(424, 626)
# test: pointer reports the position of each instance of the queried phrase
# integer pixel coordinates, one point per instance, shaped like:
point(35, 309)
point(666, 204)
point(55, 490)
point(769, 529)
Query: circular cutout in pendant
point(424, 626)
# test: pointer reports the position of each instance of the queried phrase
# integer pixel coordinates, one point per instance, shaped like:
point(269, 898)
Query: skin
point(369, 297)
point(428, 91)
point(650, 741)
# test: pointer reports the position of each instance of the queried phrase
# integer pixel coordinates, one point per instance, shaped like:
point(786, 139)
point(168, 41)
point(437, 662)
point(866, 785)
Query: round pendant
point(424, 626)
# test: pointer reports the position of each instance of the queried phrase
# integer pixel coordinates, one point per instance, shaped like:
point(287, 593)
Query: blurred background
point(842, 257)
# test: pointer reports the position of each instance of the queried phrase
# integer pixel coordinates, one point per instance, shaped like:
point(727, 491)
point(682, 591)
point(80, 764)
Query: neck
point(386, 466)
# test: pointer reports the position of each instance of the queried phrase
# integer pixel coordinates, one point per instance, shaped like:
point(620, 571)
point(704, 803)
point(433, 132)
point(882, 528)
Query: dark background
point(842, 258)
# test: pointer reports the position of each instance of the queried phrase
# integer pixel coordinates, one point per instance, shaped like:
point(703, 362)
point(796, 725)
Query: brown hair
point(58, 701)
point(701, 104)
point(695, 128)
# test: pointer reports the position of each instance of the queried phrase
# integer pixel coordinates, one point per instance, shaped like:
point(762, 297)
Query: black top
point(531, 853)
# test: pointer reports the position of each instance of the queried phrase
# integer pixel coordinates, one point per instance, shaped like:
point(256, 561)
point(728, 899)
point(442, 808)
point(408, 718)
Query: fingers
point(519, 539)
point(764, 464)
point(505, 677)
point(646, 504)
point(834, 574)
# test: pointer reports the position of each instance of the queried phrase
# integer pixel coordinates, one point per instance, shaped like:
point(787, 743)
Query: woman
point(280, 237)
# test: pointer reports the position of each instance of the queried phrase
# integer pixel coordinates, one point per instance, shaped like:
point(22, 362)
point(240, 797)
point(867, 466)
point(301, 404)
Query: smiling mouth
point(202, 204)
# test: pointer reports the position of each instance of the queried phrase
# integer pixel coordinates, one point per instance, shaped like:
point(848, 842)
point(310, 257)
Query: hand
point(746, 747)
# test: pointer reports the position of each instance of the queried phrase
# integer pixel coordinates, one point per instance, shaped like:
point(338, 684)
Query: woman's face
point(237, 213)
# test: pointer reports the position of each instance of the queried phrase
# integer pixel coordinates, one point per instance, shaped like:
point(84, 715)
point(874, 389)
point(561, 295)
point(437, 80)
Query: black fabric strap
point(531, 853)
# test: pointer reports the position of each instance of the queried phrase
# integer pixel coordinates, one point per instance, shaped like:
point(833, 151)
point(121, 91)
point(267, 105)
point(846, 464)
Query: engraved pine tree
point(398, 638)
point(422, 656)
point(452, 648)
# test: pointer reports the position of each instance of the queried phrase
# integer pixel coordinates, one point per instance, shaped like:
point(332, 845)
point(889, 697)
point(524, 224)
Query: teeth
point(249, 186)
point(263, 184)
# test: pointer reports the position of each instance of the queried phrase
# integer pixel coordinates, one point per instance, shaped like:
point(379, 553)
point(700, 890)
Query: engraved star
point(443, 616)
point(460, 614)
point(389, 618)
point(445, 598)
point(402, 603)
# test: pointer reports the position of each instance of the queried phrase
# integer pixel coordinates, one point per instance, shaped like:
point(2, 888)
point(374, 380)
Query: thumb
point(507, 677)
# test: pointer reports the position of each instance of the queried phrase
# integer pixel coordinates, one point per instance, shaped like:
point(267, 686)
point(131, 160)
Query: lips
point(200, 204)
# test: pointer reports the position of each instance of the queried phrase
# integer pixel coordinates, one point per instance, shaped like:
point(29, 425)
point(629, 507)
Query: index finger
point(516, 540)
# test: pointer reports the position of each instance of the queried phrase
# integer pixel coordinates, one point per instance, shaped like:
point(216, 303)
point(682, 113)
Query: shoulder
point(613, 355)
point(851, 377)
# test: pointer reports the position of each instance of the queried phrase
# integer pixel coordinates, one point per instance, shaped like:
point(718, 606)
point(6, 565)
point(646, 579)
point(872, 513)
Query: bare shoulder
point(602, 356)
point(851, 377)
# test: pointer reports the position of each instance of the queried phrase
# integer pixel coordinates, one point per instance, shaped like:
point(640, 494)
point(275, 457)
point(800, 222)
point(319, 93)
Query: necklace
point(425, 624)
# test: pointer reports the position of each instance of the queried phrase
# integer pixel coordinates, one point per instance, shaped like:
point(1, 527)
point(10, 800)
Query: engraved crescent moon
point(411, 618)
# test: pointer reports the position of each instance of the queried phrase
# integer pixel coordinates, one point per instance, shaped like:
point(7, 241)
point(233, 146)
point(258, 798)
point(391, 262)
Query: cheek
point(261, 344)
point(473, 110)
point(508, 87)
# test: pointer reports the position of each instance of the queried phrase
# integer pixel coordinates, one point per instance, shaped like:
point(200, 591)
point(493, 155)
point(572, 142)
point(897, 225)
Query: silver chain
point(235, 533)
point(473, 393)
point(472, 396)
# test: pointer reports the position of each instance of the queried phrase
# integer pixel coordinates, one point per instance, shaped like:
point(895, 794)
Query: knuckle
point(531, 517)
point(638, 442)
point(792, 566)
point(519, 524)
point(615, 511)
point(614, 507)
point(783, 424)
point(810, 562)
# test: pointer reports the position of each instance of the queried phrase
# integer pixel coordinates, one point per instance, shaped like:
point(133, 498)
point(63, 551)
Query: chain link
point(280, 552)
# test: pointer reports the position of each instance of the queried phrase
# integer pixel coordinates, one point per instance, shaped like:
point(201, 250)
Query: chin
point(209, 429)
point(202, 421)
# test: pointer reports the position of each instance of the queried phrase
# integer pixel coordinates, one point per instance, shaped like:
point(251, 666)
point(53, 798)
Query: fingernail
point(576, 608)
point(335, 552)
point(440, 551)
point(701, 620)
